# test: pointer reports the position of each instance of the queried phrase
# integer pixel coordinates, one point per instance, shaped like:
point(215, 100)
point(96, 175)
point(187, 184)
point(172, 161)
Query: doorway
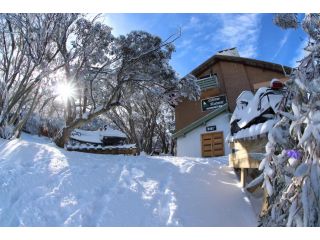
point(212, 144)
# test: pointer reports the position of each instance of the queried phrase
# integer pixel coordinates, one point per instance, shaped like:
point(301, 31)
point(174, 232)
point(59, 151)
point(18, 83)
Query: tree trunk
point(65, 132)
point(172, 146)
point(63, 137)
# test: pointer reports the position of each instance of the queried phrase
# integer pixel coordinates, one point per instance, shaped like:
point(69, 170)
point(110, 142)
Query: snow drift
point(42, 185)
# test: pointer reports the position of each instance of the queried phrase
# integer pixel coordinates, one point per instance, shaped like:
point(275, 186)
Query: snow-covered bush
point(6, 131)
point(291, 171)
point(43, 126)
point(33, 125)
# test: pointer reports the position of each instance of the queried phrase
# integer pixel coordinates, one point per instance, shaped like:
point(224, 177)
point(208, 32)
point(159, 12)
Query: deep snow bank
point(41, 185)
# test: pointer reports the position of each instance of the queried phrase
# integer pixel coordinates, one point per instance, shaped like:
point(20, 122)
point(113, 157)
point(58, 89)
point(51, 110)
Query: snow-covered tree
point(165, 128)
point(137, 117)
point(145, 118)
point(291, 172)
point(67, 66)
point(28, 56)
point(103, 69)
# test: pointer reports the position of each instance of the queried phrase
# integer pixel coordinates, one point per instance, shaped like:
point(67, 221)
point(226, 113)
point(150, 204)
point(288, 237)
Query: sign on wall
point(213, 102)
point(211, 128)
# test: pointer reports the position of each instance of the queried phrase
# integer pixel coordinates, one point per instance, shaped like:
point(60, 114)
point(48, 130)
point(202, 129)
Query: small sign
point(213, 102)
point(211, 128)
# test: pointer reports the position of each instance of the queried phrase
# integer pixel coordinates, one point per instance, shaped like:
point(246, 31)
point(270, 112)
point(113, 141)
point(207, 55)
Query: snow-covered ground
point(42, 185)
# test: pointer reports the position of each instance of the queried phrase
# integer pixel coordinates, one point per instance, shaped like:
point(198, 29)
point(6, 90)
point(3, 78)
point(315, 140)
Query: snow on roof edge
point(253, 131)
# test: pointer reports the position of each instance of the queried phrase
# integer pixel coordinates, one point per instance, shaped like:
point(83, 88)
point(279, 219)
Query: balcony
point(207, 82)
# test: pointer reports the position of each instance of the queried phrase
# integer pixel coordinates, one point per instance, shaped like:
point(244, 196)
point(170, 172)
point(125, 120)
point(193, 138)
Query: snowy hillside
point(42, 185)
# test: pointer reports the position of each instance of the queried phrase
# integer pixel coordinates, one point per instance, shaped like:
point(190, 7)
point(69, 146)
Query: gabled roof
point(200, 121)
point(247, 61)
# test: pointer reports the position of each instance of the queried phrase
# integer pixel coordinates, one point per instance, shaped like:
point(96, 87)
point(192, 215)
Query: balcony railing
point(208, 82)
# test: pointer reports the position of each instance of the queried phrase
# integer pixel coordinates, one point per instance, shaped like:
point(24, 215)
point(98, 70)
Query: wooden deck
point(244, 155)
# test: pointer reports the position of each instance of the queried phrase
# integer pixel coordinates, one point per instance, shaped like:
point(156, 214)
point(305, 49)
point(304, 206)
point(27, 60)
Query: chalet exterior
point(202, 126)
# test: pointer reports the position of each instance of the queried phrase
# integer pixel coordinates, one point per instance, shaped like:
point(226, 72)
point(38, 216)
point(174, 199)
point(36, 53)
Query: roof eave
point(249, 61)
point(200, 121)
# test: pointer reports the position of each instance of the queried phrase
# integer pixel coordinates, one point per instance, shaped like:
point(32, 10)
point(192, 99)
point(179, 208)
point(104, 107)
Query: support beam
point(243, 176)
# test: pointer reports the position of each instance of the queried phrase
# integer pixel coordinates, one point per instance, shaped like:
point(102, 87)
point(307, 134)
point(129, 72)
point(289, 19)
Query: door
point(212, 144)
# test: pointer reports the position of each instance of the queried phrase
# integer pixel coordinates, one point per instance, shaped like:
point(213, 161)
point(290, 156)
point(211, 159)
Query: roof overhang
point(247, 61)
point(200, 121)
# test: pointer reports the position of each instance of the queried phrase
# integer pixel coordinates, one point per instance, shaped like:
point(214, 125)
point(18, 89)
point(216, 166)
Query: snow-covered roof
point(256, 106)
point(255, 114)
point(95, 136)
point(253, 131)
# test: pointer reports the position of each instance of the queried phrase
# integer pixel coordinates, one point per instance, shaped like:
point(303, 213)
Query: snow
point(95, 136)
point(254, 130)
point(246, 114)
point(85, 146)
point(242, 101)
point(42, 185)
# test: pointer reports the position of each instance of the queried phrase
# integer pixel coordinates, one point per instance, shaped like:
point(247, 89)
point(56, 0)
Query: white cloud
point(199, 22)
point(186, 43)
point(193, 23)
point(194, 20)
point(281, 44)
point(300, 53)
point(241, 31)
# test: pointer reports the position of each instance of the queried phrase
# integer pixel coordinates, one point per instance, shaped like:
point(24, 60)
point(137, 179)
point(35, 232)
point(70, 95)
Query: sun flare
point(65, 90)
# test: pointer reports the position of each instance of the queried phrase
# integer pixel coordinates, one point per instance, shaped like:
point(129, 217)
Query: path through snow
point(42, 185)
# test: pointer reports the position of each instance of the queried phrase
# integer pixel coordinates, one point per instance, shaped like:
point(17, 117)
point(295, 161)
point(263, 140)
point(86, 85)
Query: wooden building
point(202, 126)
point(103, 141)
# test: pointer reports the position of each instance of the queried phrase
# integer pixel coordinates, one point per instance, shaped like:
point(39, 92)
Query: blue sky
point(203, 35)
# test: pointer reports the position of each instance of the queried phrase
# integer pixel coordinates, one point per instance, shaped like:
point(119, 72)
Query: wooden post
point(243, 176)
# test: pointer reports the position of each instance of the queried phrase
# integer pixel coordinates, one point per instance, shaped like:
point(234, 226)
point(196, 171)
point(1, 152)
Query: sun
point(65, 90)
